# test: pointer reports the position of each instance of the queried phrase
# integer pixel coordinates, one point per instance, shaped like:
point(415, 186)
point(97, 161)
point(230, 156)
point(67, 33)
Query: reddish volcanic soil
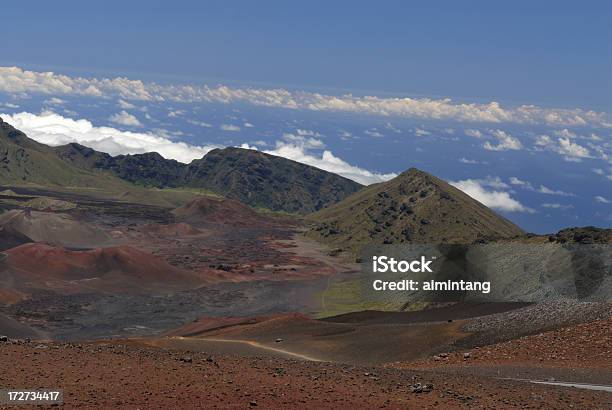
point(172, 230)
point(116, 269)
point(212, 210)
point(298, 335)
point(128, 375)
point(54, 228)
point(587, 345)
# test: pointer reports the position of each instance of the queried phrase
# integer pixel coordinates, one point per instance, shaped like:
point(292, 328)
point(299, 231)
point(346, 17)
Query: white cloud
point(602, 200)
point(18, 81)
point(563, 146)
point(603, 151)
point(493, 182)
point(557, 206)
point(520, 182)
point(500, 200)
point(176, 113)
point(542, 189)
point(304, 142)
point(545, 190)
point(229, 127)
point(248, 125)
point(543, 140)
point(9, 105)
point(345, 135)
point(260, 143)
point(125, 118)
point(595, 137)
point(124, 105)
point(473, 133)
point(299, 148)
point(506, 142)
point(391, 127)
point(565, 133)
point(53, 129)
point(200, 123)
point(468, 161)
point(54, 101)
point(598, 171)
point(571, 149)
point(419, 132)
point(307, 133)
point(374, 133)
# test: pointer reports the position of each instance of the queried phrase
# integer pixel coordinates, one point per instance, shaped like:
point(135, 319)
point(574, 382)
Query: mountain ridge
point(25, 161)
point(255, 178)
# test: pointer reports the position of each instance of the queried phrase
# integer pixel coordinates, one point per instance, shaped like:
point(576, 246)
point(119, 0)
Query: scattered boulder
point(420, 388)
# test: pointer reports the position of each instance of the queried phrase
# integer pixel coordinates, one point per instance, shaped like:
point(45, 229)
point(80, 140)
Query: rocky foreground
point(128, 375)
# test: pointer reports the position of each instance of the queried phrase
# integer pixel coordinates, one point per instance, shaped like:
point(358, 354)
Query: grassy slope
point(27, 163)
point(254, 178)
point(414, 207)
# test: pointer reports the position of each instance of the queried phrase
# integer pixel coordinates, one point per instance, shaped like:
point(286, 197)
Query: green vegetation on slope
point(413, 207)
point(254, 178)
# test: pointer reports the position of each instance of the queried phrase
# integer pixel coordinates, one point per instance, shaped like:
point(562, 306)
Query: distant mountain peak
point(413, 207)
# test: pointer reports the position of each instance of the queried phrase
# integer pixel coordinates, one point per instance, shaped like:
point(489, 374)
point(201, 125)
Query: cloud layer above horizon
point(18, 81)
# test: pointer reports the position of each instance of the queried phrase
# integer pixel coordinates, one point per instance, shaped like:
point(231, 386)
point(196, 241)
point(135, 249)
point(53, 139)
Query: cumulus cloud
point(492, 198)
point(391, 127)
point(564, 146)
point(473, 133)
point(545, 190)
point(303, 149)
point(176, 113)
point(18, 81)
point(229, 127)
point(53, 129)
point(125, 118)
point(520, 182)
point(374, 133)
point(54, 101)
point(200, 123)
point(569, 148)
point(506, 142)
point(307, 133)
point(541, 189)
point(302, 141)
point(602, 200)
point(419, 132)
point(557, 206)
point(125, 105)
point(565, 133)
point(9, 105)
point(345, 135)
point(468, 161)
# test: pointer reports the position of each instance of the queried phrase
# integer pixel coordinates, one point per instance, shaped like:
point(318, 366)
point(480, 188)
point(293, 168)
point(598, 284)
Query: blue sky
point(511, 102)
point(542, 52)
